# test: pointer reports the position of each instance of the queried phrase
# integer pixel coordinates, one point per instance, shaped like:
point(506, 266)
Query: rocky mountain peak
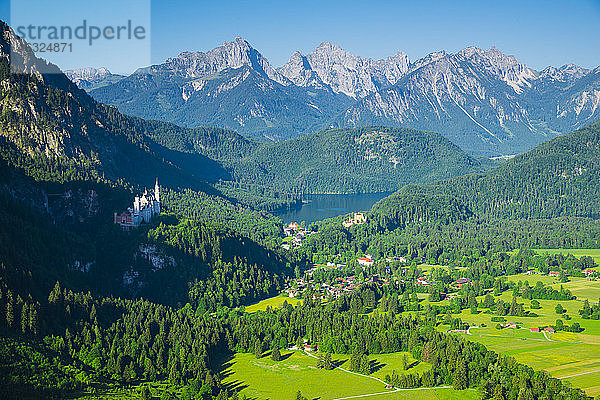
point(566, 73)
point(87, 73)
point(345, 72)
point(328, 47)
point(389, 70)
point(428, 59)
point(234, 54)
point(299, 71)
point(17, 52)
point(517, 75)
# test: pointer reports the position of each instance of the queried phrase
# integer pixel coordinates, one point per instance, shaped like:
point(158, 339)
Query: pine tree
point(299, 396)
point(403, 362)
point(10, 312)
point(144, 393)
point(33, 320)
point(459, 378)
point(498, 395)
point(257, 348)
point(525, 394)
point(24, 317)
point(55, 293)
point(426, 353)
point(275, 354)
point(365, 365)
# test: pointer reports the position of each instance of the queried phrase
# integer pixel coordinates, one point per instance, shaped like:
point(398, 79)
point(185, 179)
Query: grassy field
point(384, 364)
point(574, 357)
point(266, 379)
point(594, 253)
point(584, 289)
point(274, 302)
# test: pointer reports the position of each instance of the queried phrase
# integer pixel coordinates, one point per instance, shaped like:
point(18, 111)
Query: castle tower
point(157, 197)
point(157, 191)
point(136, 205)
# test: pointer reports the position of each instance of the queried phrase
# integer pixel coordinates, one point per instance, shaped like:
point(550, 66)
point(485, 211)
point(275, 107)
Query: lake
point(321, 206)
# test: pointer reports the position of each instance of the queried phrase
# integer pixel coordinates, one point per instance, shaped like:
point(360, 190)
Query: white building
point(144, 208)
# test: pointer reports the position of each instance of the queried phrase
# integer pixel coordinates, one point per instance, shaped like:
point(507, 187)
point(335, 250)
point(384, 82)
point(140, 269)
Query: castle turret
point(157, 191)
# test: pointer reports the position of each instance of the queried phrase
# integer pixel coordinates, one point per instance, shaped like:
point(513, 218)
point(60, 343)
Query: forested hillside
point(359, 160)
point(558, 178)
point(68, 163)
point(373, 159)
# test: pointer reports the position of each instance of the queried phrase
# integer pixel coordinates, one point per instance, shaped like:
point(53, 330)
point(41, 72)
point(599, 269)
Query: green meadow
point(574, 357)
point(594, 253)
point(267, 379)
point(384, 364)
point(273, 302)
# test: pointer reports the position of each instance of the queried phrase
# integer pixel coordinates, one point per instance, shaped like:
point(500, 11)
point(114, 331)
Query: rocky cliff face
point(230, 55)
point(483, 100)
point(344, 72)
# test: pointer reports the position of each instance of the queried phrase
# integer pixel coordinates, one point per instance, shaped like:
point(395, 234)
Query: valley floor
point(574, 357)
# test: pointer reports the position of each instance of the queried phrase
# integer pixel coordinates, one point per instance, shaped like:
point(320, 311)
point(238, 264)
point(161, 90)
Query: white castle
point(144, 208)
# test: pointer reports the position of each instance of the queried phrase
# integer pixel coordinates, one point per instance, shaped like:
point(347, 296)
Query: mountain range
point(91, 78)
point(488, 103)
point(53, 131)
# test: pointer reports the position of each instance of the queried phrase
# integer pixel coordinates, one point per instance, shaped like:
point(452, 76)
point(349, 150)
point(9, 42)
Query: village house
point(462, 281)
point(365, 261)
point(588, 272)
point(534, 329)
point(549, 329)
point(392, 259)
point(554, 273)
point(422, 281)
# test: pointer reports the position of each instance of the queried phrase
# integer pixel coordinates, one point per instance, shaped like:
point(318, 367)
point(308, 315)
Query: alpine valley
point(476, 279)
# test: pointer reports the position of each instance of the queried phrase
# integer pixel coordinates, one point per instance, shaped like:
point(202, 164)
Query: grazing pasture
point(267, 379)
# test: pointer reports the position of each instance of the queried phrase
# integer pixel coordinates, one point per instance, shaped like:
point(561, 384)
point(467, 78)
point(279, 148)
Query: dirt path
point(351, 372)
point(392, 391)
point(582, 373)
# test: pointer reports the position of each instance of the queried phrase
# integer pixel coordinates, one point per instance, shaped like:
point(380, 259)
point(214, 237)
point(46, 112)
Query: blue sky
point(539, 33)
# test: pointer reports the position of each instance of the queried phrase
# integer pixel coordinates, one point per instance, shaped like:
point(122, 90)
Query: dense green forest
point(92, 344)
point(557, 178)
point(359, 160)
